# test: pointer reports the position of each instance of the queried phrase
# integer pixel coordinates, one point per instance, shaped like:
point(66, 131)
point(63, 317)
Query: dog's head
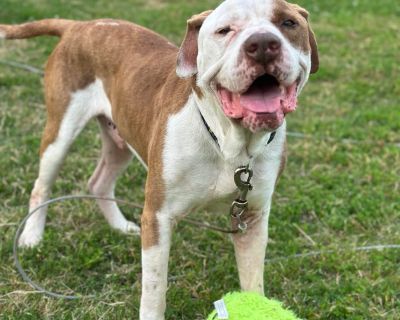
point(255, 56)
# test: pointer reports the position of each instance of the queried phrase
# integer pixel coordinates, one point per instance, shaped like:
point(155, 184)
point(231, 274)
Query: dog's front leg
point(250, 252)
point(156, 237)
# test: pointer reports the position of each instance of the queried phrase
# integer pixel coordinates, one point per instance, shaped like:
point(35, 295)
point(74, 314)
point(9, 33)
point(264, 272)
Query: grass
point(341, 186)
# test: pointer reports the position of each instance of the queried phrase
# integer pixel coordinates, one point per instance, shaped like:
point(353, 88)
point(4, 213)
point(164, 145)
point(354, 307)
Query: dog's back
point(126, 57)
point(97, 46)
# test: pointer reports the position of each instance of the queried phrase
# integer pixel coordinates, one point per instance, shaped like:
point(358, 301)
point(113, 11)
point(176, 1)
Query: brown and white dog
point(240, 67)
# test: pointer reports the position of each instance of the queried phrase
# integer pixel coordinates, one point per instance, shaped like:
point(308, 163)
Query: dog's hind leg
point(67, 116)
point(115, 157)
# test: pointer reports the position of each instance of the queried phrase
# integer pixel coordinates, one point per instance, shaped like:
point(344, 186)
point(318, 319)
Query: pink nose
point(263, 47)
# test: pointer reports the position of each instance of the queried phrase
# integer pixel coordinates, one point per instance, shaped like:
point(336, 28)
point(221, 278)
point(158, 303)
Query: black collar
point(212, 134)
point(271, 137)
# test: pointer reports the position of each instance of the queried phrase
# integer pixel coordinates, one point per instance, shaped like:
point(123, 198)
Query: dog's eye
point(289, 23)
point(224, 31)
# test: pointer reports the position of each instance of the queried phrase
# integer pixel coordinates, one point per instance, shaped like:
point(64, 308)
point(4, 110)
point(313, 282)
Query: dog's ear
point(313, 41)
point(187, 57)
point(314, 51)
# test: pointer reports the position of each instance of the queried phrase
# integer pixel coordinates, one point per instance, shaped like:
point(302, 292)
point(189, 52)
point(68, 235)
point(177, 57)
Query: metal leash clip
point(240, 205)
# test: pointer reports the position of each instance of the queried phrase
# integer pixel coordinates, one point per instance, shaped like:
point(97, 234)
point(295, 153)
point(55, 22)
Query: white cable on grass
point(19, 231)
point(378, 247)
point(22, 66)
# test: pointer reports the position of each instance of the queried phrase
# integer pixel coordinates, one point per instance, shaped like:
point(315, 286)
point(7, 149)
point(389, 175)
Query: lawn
point(340, 189)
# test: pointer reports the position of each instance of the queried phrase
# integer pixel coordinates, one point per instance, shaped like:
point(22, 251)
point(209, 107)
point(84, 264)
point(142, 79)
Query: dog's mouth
point(263, 105)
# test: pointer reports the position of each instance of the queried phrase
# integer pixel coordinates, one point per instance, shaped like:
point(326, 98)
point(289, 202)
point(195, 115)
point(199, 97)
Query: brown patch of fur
point(149, 229)
point(196, 88)
point(301, 36)
point(297, 36)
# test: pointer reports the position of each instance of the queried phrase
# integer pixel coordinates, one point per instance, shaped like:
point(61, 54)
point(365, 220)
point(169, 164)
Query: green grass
point(340, 193)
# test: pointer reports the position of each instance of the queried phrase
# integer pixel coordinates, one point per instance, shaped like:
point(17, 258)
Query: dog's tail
point(48, 27)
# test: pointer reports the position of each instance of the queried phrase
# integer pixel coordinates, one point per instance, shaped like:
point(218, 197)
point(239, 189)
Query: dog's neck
point(234, 140)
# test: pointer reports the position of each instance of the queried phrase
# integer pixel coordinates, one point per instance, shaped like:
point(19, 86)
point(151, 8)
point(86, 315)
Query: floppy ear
point(187, 57)
point(313, 41)
point(314, 51)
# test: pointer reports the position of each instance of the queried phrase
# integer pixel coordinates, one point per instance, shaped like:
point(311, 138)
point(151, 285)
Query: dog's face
point(254, 55)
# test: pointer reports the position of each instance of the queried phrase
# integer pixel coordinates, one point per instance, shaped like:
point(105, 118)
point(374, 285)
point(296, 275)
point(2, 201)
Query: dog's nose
point(263, 47)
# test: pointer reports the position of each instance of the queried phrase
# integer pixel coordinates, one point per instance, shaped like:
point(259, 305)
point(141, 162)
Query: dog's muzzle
point(265, 102)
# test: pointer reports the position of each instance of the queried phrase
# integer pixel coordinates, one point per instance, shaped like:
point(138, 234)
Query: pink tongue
point(261, 101)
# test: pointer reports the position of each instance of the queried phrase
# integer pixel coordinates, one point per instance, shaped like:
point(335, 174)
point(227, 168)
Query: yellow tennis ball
point(252, 306)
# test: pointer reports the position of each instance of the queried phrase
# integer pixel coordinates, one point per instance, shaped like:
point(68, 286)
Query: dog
point(192, 115)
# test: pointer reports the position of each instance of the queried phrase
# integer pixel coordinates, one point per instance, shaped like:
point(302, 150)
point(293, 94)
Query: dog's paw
point(125, 226)
point(29, 239)
point(132, 228)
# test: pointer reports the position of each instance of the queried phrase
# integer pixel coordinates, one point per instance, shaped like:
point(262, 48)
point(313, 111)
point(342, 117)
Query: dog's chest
point(220, 183)
point(196, 174)
point(222, 190)
point(204, 180)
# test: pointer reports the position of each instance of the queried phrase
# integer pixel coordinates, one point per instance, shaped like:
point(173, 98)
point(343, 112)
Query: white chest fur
point(197, 174)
